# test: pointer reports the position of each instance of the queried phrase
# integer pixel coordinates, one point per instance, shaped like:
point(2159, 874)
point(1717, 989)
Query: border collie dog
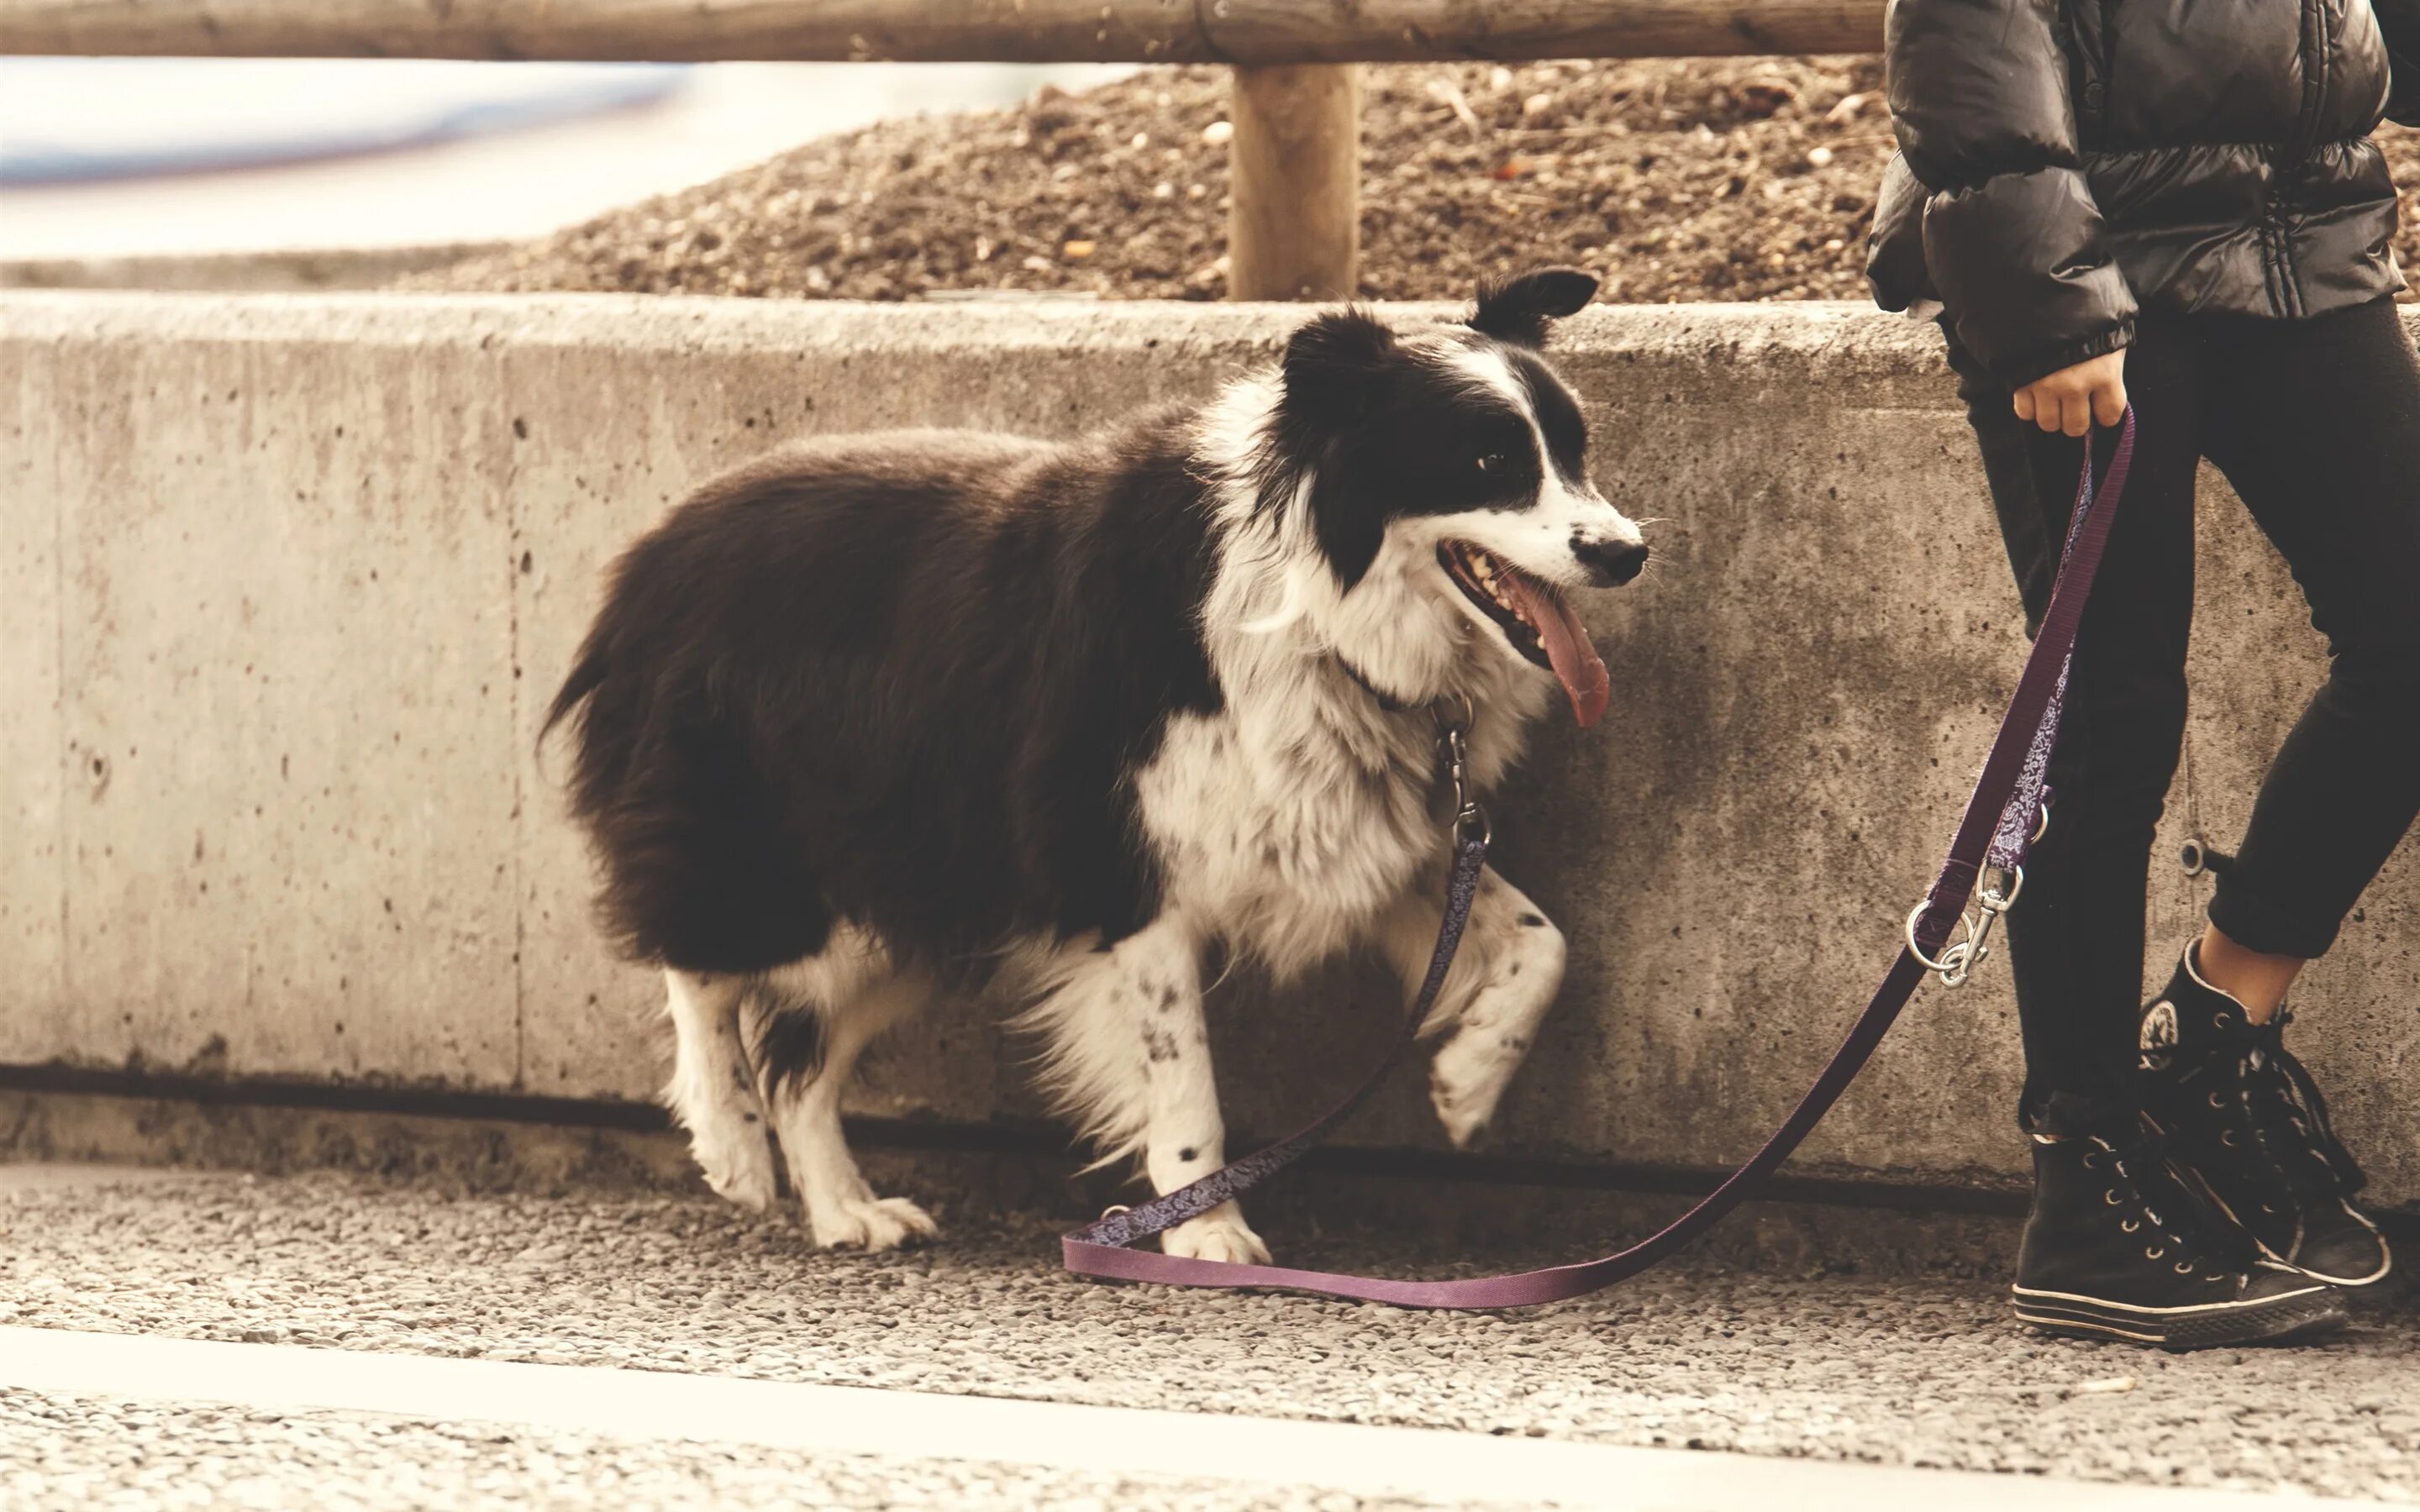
point(878, 717)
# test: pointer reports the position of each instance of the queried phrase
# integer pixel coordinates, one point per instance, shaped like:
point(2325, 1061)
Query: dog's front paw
point(870, 1223)
point(1219, 1235)
point(737, 1164)
point(1467, 1081)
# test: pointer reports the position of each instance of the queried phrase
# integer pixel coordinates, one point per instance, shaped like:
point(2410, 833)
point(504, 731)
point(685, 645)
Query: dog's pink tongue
point(1567, 647)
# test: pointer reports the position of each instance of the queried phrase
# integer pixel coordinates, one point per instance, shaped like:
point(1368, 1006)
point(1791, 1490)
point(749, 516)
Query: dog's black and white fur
point(881, 716)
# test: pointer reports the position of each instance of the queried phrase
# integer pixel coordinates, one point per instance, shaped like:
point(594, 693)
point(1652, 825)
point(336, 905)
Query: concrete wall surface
point(286, 582)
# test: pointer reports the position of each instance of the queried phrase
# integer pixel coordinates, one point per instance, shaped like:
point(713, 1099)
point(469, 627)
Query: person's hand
point(2072, 398)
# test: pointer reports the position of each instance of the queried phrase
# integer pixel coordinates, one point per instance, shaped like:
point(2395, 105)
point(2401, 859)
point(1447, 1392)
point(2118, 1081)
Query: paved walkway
point(346, 1312)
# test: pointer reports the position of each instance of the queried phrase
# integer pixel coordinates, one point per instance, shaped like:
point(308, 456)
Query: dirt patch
point(1677, 179)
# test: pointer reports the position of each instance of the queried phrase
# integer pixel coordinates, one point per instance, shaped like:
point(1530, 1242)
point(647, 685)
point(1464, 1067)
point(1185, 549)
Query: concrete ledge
point(285, 578)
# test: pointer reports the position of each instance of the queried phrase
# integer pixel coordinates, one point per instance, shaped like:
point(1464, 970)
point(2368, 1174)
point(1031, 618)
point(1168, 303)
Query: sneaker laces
point(2290, 1118)
point(2192, 1233)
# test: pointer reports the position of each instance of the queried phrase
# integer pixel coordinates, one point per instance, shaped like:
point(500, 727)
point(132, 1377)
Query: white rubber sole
point(2307, 1312)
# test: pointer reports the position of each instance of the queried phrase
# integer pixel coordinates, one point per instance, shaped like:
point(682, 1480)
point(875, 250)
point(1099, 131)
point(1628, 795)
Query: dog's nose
point(1611, 563)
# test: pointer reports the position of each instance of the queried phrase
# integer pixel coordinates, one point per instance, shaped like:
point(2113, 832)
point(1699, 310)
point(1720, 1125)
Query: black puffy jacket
point(2065, 163)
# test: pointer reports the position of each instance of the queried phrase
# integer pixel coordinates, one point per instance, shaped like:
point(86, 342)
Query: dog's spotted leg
point(1184, 1136)
point(854, 996)
point(1504, 981)
point(712, 1092)
point(1127, 1051)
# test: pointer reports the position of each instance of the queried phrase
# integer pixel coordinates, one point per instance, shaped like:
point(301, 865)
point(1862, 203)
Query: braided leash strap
point(2002, 819)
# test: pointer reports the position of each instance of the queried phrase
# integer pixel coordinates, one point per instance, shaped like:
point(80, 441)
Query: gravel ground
point(1678, 180)
point(1900, 1372)
point(60, 1452)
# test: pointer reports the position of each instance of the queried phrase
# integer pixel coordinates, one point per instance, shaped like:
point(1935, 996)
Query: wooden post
point(1295, 230)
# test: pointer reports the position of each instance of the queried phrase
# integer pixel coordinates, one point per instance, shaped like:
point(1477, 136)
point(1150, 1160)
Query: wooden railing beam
point(1254, 33)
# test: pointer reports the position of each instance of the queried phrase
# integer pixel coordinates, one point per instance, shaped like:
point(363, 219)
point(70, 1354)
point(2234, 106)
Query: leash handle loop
point(2009, 789)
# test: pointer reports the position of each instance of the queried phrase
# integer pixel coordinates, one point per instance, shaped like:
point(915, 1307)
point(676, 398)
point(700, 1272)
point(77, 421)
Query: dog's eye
point(1488, 460)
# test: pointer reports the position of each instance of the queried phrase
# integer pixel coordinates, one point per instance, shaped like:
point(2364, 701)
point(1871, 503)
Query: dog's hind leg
point(1504, 979)
point(824, 1012)
point(713, 1093)
point(1126, 1050)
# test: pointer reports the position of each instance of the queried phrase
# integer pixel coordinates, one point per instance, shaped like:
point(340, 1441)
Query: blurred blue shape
point(84, 120)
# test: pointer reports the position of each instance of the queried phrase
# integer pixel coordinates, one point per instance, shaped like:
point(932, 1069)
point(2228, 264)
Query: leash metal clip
point(1453, 749)
point(1996, 895)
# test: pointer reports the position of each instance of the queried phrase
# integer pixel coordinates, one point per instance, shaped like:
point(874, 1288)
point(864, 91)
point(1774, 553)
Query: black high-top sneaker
point(2248, 1125)
point(2115, 1247)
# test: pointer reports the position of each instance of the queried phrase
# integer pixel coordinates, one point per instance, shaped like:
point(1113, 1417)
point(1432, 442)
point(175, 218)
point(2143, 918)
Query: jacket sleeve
point(1895, 247)
point(2399, 21)
point(1980, 97)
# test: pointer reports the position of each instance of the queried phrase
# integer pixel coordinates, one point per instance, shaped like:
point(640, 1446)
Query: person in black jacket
point(2101, 199)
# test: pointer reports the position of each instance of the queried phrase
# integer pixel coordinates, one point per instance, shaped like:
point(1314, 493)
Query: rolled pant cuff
point(2260, 924)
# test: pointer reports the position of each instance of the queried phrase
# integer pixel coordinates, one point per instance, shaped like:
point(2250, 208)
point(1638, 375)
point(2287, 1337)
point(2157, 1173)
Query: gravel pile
point(1677, 179)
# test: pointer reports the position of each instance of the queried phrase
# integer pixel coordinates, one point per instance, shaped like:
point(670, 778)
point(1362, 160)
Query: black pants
point(2317, 425)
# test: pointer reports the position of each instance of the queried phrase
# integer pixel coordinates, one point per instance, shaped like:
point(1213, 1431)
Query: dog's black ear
point(1337, 371)
point(1333, 367)
point(1518, 309)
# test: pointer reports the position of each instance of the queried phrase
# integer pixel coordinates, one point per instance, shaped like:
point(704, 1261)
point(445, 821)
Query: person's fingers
point(2109, 403)
point(2077, 413)
point(2024, 402)
point(2050, 411)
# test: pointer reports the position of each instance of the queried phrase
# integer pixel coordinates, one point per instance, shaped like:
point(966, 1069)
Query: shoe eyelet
point(2216, 1101)
point(2088, 1160)
point(2110, 1197)
point(2130, 1226)
point(2226, 1137)
point(2184, 1268)
point(2155, 1254)
point(2221, 1020)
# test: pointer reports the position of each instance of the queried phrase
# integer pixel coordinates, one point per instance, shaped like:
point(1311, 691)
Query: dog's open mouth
point(1537, 619)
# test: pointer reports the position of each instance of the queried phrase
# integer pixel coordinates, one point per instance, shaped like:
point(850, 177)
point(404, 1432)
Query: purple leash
point(2003, 818)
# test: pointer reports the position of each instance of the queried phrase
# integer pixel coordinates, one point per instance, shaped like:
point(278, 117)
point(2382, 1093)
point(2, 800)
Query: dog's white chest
point(1286, 843)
